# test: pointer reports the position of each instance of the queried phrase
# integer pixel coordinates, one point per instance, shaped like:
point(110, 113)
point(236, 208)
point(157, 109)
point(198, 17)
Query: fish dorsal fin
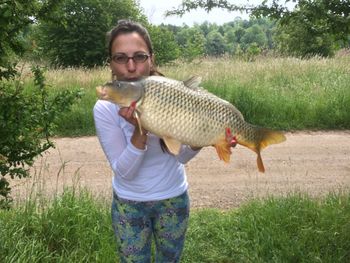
point(193, 82)
point(172, 145)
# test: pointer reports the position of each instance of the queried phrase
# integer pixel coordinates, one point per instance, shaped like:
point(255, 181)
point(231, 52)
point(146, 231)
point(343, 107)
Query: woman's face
point(130, 45)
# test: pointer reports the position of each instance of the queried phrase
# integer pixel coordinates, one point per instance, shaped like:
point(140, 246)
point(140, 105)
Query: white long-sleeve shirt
point(139, 175)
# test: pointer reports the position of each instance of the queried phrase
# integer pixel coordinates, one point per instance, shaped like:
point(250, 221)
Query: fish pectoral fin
point(137, 117)
point(173, 145)
point(223, 149)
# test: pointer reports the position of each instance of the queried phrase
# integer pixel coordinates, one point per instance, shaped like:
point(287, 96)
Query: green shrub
point(27, 119)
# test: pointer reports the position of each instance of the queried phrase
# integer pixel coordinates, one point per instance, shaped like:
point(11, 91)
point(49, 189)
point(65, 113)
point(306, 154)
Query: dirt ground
point(309, 162)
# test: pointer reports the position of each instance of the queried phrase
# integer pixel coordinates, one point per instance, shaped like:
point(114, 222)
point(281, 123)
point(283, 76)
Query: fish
point(182, 112)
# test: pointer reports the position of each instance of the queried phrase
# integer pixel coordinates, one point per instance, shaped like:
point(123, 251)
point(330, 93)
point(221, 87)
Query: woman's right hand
point(138, 140)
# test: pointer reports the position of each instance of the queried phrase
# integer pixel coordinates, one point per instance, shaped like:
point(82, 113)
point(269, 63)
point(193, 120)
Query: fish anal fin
point(223, 149)
point(138, 120)
point(172, 145)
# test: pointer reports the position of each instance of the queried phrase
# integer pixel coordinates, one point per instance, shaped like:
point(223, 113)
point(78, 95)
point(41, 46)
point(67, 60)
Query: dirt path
point(312, 162)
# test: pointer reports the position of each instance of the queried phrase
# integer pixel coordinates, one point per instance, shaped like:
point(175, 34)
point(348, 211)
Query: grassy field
point(281, 93)
point(75, 227)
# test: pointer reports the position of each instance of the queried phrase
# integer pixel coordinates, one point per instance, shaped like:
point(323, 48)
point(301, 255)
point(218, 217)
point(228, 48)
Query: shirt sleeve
point(124, 158)
point(186, 154)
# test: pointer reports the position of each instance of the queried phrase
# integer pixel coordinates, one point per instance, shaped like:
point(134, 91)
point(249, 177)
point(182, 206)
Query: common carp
point(181, 112)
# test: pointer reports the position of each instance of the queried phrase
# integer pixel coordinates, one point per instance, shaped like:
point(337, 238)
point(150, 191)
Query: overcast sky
point(155, 9)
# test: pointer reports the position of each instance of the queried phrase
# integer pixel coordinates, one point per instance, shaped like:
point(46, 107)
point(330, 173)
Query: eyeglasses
point(123, 58)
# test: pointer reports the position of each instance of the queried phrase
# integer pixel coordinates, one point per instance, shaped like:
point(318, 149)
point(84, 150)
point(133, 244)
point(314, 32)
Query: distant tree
point(191, 42)
point(205, 28)
point(252, 51)
point(230, 36)
point(239, 33)
point(173, 28)
point(268, 26)
point(230, 39)
point(164, 44)
point(254, 34)
point(312, 27)
point(75, 35)
point(215, 44)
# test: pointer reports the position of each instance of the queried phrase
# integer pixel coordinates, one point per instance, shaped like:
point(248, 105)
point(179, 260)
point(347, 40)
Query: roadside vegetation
point(281, 93)
point(76, 227)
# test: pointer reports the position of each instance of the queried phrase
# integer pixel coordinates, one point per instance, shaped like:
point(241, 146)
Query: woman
point(149, 184)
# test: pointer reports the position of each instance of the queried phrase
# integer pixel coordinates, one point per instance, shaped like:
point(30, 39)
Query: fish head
point(122, 93)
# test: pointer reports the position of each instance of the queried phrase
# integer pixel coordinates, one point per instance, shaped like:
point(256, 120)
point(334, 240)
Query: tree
point(312, 27)
point(215, 44)
point(300, 40)
point(230, 39)
point(191, 42)
point(165, 47)
point(15, 17)
point(26, 118)
point(254, 34)
point(76, 33)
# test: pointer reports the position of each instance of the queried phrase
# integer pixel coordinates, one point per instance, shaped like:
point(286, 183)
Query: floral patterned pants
point(135, 223)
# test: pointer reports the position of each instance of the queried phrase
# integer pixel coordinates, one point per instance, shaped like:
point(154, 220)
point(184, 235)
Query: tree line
point(73, 33)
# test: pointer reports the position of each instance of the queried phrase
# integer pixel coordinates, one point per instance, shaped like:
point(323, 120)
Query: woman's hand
point(230, 138)
point(137, 139)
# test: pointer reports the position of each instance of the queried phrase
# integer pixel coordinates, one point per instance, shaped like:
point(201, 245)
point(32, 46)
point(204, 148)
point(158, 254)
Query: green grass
point(280, 93)
point(75, 227)
point(292, 229)
point(72, 227)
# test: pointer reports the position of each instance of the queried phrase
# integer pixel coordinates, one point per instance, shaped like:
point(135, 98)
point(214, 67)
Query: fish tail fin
point(257, 138)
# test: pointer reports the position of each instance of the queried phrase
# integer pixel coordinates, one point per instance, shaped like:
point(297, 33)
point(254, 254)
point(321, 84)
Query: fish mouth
point(101, 92)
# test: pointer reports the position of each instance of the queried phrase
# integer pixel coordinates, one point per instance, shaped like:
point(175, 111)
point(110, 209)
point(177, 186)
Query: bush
point(27, 118)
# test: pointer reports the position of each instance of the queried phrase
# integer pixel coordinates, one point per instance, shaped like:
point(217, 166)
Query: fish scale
point(181, 112)
point(177, 107)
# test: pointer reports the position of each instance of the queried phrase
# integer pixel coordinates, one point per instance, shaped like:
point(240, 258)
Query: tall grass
point(74, 227)
point(282, 93)
point(291, 229)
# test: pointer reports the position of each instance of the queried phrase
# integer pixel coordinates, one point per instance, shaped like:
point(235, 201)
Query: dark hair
point(125, 26)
